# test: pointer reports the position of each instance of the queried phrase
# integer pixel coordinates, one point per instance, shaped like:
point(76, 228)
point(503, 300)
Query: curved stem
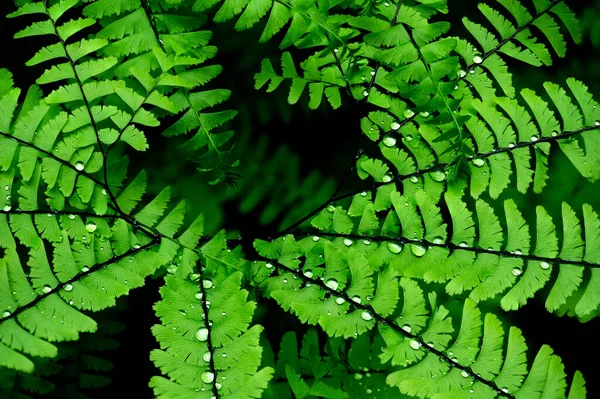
point(454, 247)
point(392, 324)
point(78, 277)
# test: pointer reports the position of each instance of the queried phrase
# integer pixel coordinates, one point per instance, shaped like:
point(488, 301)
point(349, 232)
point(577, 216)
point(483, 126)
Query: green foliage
point(374, 269)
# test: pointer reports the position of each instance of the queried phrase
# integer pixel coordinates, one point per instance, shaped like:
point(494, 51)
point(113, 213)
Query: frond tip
point(208, 349)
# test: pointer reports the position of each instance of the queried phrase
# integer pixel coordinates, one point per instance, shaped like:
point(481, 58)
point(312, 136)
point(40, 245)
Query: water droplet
point(407, 328)
point(409, 138)
point(285, 281)
point(207, 377)
point(308, 274)
point(363, 77)
point(418, 250)
point(414, 179)
point(137, 246)
point(316, 238)
point(202, 334)
point(438, 240)
point(477, 59)
point(365, 93)
point(478, 162)
point(545, 265)
point(366, 316)
point(68, 287)
point(424, 114)
point(386, 178)
point(332, 284)
point(79, 166)
point(206, 357)
point(218, 386)
point(395, 126)
point(7, 187)
point(85, 269)
point(394, 247)
point(464, 373)
point(463, 244)
point(516, 272)
point(387, 4)
point(461, 73)
point(330, 208)
point(207, 284)
point(438, 175)
point(46, 289)
point(389, 141)
point(554, 133)
point(6, 313)
point(90, 227)
point(356, 299)
point(348, 242)
point(372, 73)
point(409, 113)
point(534, 138)
point(199, 296)
point(335, 50)
point(518, 252)
point(358, 376)
point(224, 355)
point(6, 208)
point(414, 344)
point(104, 192)
point(597, 123)
point(511, 145)
point(269, 265)
point(505, 390)
point(339, 300)
point(367, 242)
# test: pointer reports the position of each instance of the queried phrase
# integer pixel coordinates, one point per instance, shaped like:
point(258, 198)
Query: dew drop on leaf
point(418, 250)
point(394, 247)
point(207, 377)
point(202, 334)
point(414, 344)
point(332, 284)
point(389, 141)
point(90, 227)
point(478, 162)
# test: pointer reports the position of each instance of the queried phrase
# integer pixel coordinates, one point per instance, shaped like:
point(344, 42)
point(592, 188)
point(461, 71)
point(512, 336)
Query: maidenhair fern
point(452, 149)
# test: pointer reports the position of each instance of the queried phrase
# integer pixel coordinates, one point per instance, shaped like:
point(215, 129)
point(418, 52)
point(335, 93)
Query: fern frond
point(207, 344)
point(159, 44)
point(65, 250)
point(336, 287)
point(478, 255)
point(329, 370)
point(508, 135)
point(519, 42)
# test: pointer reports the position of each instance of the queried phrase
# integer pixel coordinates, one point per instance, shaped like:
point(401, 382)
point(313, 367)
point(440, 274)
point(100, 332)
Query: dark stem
point(211, 349)
point(78, 277)
point(392, 324)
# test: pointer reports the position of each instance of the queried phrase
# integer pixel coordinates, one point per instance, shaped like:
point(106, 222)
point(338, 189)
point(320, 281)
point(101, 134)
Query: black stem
point(391, 323)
